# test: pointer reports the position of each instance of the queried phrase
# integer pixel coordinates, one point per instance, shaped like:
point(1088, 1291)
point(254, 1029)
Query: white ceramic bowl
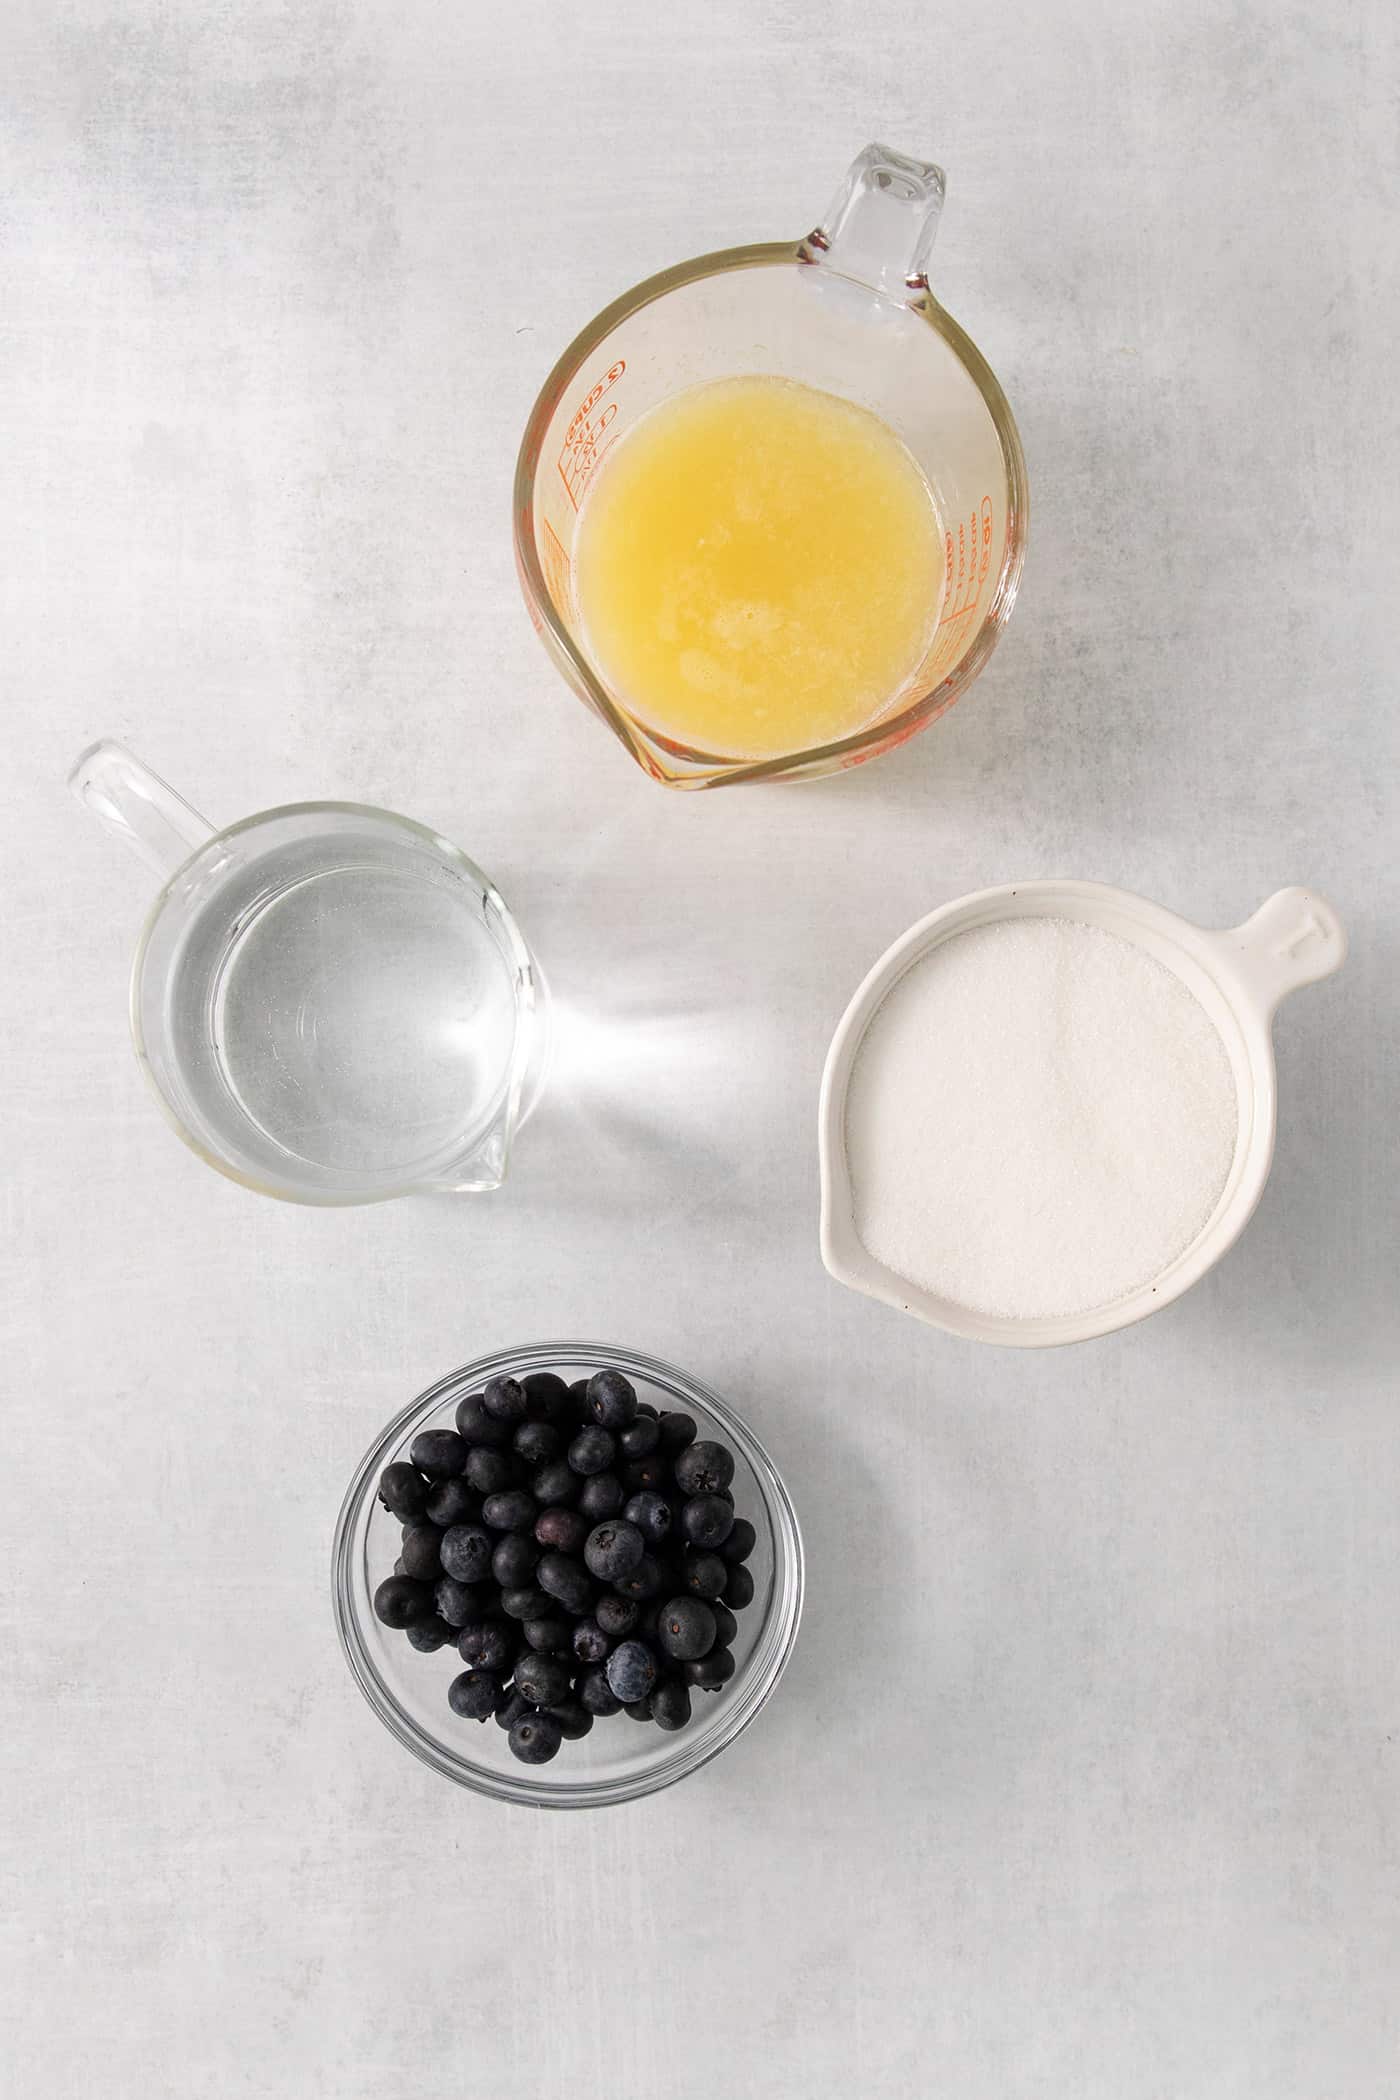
point(1239, 977)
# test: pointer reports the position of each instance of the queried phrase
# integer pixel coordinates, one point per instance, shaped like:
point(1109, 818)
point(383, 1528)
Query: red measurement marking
point(585, 441)
point(967, 556)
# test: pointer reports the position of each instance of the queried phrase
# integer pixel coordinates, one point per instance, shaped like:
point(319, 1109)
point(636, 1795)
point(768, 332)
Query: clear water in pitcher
point(343, 1003)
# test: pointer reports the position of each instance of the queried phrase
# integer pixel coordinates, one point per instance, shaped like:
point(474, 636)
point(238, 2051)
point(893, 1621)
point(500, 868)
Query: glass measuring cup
point(847, 310)
point(333, 1003)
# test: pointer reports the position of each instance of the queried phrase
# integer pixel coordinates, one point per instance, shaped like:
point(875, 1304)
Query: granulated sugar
point(1040, 1118)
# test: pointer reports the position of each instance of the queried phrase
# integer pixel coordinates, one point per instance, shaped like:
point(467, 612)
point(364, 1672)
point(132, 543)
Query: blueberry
point(703, 1469)
point(676, 1432)
point(600, 1497)
point(453, 1502)
point(555, 1484)
point(526, 1604)
point(638, 1709)
point(427, 1635)
point(504, 1400)
point(710, 1671)
point(648, 1618)
point(513, 1562)
point(543, 1679)
point(704, 1574)
point(646, 1475)
point(466, 1552)
point(670, 1705)
point(535, 1738)
point(438, 1452)
point(578, 1396)
point(726, 1625)
point(563, 1578)
point(399, 1601)
point(588, 1641)
point(563, 1529)
point(651, 1513)
point(476, 1427)
point(512, 1511)
point(549, 1636)
point(686, 1629)
point(573, 1717)
point(591, 1451)
point(456, 1602)
point(536, 1442)
point(420, 1551)
point(511, 1706)
point(738, 1590)
point(741, 1541)
point(616, 1615)
point(487, 1645)
point(707, 1520)
point(613, 1549)
point(489, 1471)
point(474, 1695)
point(596, 1694)
point(403, 1491)
point(631, 1672)
point(612, 1399)
point(547, 1398)
point(640, 1582)
point(640, 1438)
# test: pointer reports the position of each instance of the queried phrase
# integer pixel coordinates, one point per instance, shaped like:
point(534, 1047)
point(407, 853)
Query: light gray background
point(1083, 1780)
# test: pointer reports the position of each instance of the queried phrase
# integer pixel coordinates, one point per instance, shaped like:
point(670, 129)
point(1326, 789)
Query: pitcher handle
point(138, 807)
point(881, 224)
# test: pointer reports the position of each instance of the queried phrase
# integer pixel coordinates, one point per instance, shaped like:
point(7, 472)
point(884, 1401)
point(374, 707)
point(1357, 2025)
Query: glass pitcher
point(333, 1003)
point(847, 310)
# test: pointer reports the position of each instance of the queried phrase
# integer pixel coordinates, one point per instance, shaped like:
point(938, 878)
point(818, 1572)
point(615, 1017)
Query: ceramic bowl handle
point(1294, 938)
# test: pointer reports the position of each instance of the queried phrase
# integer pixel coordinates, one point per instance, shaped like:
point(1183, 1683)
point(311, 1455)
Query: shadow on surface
point(1312, 1275)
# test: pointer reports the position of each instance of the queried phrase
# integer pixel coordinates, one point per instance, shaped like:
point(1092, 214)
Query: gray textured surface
point(1084, 1780)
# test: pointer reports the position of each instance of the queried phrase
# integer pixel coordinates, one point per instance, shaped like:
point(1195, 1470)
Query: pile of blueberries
point(580, 1550)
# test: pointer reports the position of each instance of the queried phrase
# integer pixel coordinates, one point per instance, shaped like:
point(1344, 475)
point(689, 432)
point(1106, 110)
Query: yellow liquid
point(758, 567)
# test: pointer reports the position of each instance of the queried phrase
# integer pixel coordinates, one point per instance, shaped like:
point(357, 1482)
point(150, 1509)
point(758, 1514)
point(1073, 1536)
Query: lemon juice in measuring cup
point(760, 566)
point(770, 506)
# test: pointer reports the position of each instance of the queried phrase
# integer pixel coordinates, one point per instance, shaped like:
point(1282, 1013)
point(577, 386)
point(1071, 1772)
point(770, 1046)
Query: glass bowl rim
point(777, 1635)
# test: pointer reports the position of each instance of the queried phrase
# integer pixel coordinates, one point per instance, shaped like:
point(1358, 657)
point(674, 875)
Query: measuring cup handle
point(137, 806)
point(881, 224)
point(1294, 938)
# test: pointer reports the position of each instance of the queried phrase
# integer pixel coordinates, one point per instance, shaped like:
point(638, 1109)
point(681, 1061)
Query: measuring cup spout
point(881, 224)
point(138, 807)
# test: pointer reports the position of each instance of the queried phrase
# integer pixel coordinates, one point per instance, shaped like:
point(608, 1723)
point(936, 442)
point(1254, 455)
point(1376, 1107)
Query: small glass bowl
point(620, 1759)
